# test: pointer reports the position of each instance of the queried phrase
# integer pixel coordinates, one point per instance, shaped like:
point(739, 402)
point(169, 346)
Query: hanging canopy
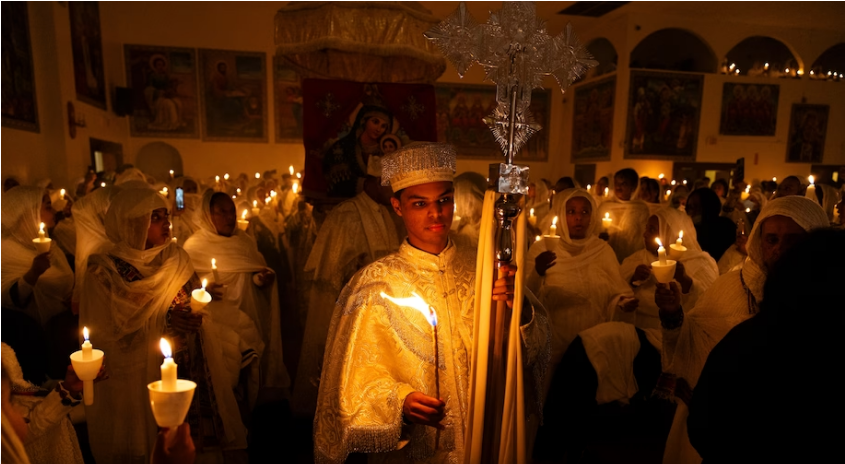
point(358, 41)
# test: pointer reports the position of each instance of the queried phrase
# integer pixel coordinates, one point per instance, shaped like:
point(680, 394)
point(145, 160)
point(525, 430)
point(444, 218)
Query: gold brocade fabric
point(358, 41)
point(377, 353)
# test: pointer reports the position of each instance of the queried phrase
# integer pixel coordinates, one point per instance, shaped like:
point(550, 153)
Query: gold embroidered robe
point(378, 352)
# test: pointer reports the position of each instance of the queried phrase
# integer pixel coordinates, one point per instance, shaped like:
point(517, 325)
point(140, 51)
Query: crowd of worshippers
point(128, 250)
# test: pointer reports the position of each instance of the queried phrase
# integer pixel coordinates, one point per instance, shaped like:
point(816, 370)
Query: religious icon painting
point(749, 109)
point(349, 126)
point(163, 81)
point(86, 42)
point(461, 109)
point(20, 108)
point(807, 131)
point(592, 121)
point(234, 93)
point(664, 110)
point(287, 92)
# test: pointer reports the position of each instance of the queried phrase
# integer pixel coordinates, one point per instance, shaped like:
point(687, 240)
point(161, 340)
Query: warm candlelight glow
point(226, 176)
point(554, 221)
point(213, 265)
point(748, 189)
point(234, 197)
point(681, 235)
point(588, 187)
point(85, 333)
point(204, 283)
point(659, 243)
point(243, 216)
point(607, 215)
point(812, 180)
point(668, 192)
point(661, 176)
point(216, 178)
point(537, 238)
point(415, 302)
point(41, 228)
point(299, 175)
point(239, 191)
point(102, 184)
point(606, 190)
point(273, 193)
point(747, 210)
point(295, 187)
point(531, 212)
point(62, 193)
point(291, 169)
point(258, 175)
point(255, 203)
point(171, 173)
point(165, 348)
point(673, 182)
point(774, 179)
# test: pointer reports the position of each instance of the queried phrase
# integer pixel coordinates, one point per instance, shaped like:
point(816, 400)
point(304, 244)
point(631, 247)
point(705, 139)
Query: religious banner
point(164, 91)
point(348, 123)
point(592, 123)
point(86, 42)
point(461, 109)
point(807, 131)
point(234, 91)
point(287, 95)
point(663, 115)
point(20, 109)
point(749, 109)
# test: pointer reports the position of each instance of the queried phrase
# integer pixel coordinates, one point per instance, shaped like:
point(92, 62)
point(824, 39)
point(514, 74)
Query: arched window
point(674, 50)
point(831, 63)
point(761, 56)
point(157, 159)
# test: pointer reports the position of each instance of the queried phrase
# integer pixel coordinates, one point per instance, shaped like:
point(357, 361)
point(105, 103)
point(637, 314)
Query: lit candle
point(299, 175)
point(537, 238)
point(680, 241)
point(258, 175)
point(238, 191)
point(102, 184)
point(668, 192)
point(677, 249)
point(811, 190)
point(172, 238)
point(661, 252)
point(214, 271)
point(606, 191)
point(242, 222)
point(685, 182)
point(171, 174)
point(673, 182)
point(255, 209)
point(290, 169)
point(746, 193)
point(532, 219)
point(606, 222)
point(553, 228)
point(168, 368)
point(774, 179)
point(87, 347)
point(766, 66)
point(226, 176)
point(416, 302)
point(661, 176)
point(217, 179)
point(295, 188)
point(200, 298)
point(42, 242)
point(589, 187)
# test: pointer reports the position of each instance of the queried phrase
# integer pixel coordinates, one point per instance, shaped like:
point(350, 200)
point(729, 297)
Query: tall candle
point(214, 270)
point(168, 368)
point(553, 228)
point(811, 190)
point(661, 252)
point(87, 347)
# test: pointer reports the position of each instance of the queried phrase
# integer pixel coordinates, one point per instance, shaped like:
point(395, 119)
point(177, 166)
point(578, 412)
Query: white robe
point(629, 221)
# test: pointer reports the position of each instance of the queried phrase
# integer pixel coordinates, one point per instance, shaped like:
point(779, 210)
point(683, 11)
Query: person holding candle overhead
point(379, 369)
point(137, 289)
point(695, 270)
point(39, 285)
point(689, 334)
point(578, 280)
point(628, 213)
point(250, 286)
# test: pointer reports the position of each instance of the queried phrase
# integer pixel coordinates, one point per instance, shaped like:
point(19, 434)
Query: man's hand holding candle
point(40, 264)
point(424, 410)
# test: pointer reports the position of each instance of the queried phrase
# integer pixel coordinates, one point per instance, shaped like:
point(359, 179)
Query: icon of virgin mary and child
point(346, 161)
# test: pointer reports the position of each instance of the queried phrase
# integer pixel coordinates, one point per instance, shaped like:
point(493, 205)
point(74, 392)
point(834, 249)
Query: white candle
point(242, 222)
point(811, 190)
point(553, 228)
point(255, 209)
point(606, 191)
point(606, 222)
point(680, 241)
point(532, 219)
point(200, 297)
point(168, 368)
point(214, 271)
point(661, 252)
point(41, 233)
point(87, 347)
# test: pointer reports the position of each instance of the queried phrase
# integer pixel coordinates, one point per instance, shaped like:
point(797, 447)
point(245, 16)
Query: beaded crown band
point(418, 163)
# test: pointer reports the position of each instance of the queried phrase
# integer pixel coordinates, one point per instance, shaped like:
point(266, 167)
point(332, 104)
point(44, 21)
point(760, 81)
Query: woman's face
point(579, 214)
point(159, 232)
point(376, 126)
point(224, 217)
point(48, 216)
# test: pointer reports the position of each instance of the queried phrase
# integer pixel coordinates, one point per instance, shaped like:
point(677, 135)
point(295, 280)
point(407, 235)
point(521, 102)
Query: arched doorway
point(157, 159)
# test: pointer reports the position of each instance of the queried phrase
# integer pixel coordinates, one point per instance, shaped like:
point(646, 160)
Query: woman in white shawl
point(578, 281)
point(138, 289)
point(249, 284)
point(39, 285)
point(695, 270)
point(690, 335)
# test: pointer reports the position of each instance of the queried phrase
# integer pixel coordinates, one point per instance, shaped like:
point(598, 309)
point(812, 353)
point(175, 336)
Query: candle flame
point(747, 189)
point(255, 203)
point(589, 187)
point(234, 197)
point(661, 176)
point(102, 184)
point(681, 235)
point(747, 210)
point(537, 238)
point(204, 283)
point(812, 180)
point(299, 175)
point(554, 221)
point(213, 265)
point(239, 191)
point(659, 243)
point(85, 333)
point(243, 216)
point(606, 190)
point(217, 178)
point(258, 175)
point(171, 172)
point(774, 179)
point(668, 192)
point(295, 187)
point(267, 199)
point(291, 169)
point(415, 302)
point(226, 176)
point(673, 182)
point(165, 348)
point(531, 212)
point(607, 215)
point(41, 228)
point(272, 193)
point(62, 192)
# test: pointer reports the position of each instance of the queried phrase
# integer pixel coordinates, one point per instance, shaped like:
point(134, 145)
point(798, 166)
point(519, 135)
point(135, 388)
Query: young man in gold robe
point(386, 388)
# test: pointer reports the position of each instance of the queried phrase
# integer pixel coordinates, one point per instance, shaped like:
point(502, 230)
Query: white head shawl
point(672, 222)
point(805, 212)
point(569, 244)
point(21, 217)
point(89, 215)
point(129, 175)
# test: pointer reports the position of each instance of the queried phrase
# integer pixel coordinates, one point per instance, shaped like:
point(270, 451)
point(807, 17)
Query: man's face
point(788, 187)
point(622, 188)
point(579, 214)
point(779, 234)
point(427, 211)
point(224, 216)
